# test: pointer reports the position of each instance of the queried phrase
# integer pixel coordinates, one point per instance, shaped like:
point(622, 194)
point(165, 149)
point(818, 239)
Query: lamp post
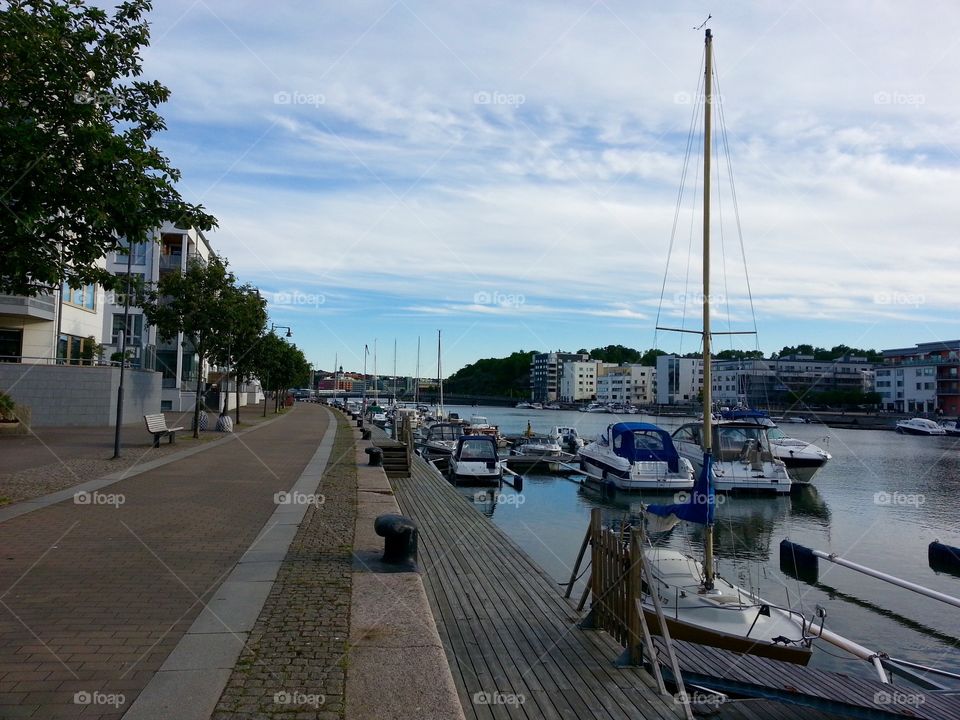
point(123, 349)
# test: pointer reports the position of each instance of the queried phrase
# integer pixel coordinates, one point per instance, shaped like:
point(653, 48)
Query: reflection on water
point(879, 502)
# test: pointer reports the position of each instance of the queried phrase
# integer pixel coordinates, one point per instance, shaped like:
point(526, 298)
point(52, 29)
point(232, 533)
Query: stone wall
point(60, 395)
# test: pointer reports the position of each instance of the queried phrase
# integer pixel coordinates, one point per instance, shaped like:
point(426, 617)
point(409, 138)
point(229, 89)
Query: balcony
point(39, 308)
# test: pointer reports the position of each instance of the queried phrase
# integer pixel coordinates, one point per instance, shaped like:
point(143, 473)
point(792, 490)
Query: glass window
point(11, 345)
point(134, 329)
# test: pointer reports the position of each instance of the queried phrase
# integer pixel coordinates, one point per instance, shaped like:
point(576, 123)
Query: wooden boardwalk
point(807, 689)
point(508, 632)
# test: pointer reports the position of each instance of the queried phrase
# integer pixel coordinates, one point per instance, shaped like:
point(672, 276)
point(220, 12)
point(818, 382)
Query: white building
point(679, 380)
point(579, 380)
point(631, 384)
point(546, 372)
point(171, 248)
point(910, 388)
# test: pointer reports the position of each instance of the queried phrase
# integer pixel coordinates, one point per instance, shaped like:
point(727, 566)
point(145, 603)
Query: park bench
point(157, 425)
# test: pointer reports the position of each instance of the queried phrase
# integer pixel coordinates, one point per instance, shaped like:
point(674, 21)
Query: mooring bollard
point(375, 454)
point(365, 434)
point(399, 535)
point(360, 423)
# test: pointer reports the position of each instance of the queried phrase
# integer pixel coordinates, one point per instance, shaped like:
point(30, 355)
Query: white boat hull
point(654, 476)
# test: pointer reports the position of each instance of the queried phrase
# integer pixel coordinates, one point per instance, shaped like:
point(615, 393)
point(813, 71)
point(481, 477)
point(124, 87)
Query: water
point(879, 502)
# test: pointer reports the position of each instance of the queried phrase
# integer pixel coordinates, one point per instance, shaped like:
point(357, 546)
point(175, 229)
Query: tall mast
point(376, 380)
point(394, 371)
point(335, 357)
point(439, 377)
point(416, 387)
point(707, 376)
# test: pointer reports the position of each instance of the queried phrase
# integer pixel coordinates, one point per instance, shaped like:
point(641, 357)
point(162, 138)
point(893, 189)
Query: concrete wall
point(60, 395)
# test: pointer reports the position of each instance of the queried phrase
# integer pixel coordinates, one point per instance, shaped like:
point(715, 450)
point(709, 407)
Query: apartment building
point(170, 249)
point(579, 380)
point(761, 382)
point(924, 378)
point(546, 370)
point(631, 384)
point(679, 380)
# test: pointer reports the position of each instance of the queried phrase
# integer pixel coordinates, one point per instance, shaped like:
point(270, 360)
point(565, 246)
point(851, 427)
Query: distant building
point(632, 384)
point(762, 382)
point(921, 379)
point(679, 380)
point(546, 370)
point(579, 380)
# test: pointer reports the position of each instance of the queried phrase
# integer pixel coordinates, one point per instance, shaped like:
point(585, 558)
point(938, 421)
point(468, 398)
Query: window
point(11, 345)
point(84, 297)
point(134, 329)
point(139, 253)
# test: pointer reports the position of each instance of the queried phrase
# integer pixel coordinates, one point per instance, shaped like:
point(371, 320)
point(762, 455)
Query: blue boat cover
point(744, 414)
point(700, 505)
point(652, 443)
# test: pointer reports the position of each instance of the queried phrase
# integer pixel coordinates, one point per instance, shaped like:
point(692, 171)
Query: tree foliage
point(193, 303)
point(494, 377)
point(837, 351)
point(244, 315)
point(77, 167)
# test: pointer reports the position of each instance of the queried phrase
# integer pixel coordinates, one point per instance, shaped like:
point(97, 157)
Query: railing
point(618, 572)
point(67, 362)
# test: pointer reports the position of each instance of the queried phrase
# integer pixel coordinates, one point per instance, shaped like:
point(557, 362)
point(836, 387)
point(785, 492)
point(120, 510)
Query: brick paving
point(95, 596)
point(52, 459)
point(295, 661)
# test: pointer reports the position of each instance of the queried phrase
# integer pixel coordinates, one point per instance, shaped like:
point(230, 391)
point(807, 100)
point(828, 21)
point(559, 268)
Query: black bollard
point(400, 538)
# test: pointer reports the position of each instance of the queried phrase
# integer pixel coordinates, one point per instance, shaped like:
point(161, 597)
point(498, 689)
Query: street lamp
point(289, 332)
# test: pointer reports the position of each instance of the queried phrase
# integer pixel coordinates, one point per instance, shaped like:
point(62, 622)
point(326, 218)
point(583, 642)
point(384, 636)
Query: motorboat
point(552, 406)
point(480, 425)
point(920, 426)
point(536, 406)
point(636, 456)
point(537, 446)
point(803, 459)
point(523, 405)
point(567, 437)
point(743, 459)
point(475, 461)
point(596, 408)
point(440, 440)
point(379, 419)
point(951, 427)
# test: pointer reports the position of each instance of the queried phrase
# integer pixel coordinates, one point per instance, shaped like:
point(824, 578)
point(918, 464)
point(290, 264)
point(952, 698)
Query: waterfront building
point(632, 384)
point(546, 369)
point(679, 380)
point(921, 379)
point(579, 380)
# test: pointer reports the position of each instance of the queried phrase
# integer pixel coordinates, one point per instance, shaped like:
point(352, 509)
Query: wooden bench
point(157, 424)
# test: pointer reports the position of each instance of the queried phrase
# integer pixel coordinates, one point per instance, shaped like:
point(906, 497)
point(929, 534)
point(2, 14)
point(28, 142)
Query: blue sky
point(508, 173)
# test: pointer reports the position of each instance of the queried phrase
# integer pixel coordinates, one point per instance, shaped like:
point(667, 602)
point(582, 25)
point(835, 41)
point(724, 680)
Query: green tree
point(77, 168)
point(192, 302)
point(244, 314)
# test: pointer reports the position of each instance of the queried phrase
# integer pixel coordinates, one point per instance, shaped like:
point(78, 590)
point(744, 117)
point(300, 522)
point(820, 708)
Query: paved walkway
point(93, 597)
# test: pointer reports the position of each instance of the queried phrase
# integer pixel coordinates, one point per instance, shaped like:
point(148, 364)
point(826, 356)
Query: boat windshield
point(445, 432)
point(477, 450)
point(732, 440)
point(775, 433)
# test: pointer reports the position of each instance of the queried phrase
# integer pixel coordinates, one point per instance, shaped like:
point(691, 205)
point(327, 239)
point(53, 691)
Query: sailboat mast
point(376, 379)
point(394, 371)
point(707, 374)
point(439, 377)
point(416, 387)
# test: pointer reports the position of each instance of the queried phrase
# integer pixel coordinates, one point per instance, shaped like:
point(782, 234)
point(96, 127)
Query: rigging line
point(676, 214)
point(736, 209)
point(723, 250)
point(693, 217)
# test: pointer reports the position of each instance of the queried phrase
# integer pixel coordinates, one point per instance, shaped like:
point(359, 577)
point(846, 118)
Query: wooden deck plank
point(515, 614)
point(572, 659)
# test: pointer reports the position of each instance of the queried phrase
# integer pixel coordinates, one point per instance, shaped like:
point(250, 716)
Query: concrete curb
point(28, 506)
point(194, 675)
point(397, 667)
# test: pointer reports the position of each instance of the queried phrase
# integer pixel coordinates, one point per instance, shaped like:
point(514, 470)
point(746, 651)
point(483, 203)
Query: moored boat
point(475, 461)
point(919, 426)
point(636, 456)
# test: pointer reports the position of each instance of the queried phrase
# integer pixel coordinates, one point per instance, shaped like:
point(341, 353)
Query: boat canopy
point(747, 415)
point(476, 447)
point(697, 506)
point(638, 442)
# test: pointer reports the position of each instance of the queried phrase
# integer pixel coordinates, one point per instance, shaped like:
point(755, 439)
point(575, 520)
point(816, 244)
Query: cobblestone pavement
point(295, 662)
point(52, 459)
point(94, 596)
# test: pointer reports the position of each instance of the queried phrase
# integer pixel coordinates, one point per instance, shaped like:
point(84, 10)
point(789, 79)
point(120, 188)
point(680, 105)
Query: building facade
point(679, 380)
point(629, 384)
point(924, 378)
point(546, 370)
point(170, 249)
point(579, 381)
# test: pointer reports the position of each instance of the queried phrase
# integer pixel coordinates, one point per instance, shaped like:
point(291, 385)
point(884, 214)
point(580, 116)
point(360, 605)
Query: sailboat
point(699, 605)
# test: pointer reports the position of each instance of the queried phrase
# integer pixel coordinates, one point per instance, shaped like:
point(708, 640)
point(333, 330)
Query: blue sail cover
point(700, 504)
point(639, 442)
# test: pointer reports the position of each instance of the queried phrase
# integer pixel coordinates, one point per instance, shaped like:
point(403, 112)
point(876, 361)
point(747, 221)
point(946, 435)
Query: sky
point(509, 173)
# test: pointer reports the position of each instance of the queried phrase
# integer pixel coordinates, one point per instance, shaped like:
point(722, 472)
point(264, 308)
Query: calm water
point(839, 514)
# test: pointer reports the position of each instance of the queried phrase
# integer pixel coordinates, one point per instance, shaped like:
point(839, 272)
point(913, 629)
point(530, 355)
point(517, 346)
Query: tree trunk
point(237, 397)
point(196, 407)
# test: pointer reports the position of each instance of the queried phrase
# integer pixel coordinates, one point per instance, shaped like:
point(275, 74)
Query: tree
point(77, 169)
point(279, 365)
point(192, 302)
point(244, 314)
